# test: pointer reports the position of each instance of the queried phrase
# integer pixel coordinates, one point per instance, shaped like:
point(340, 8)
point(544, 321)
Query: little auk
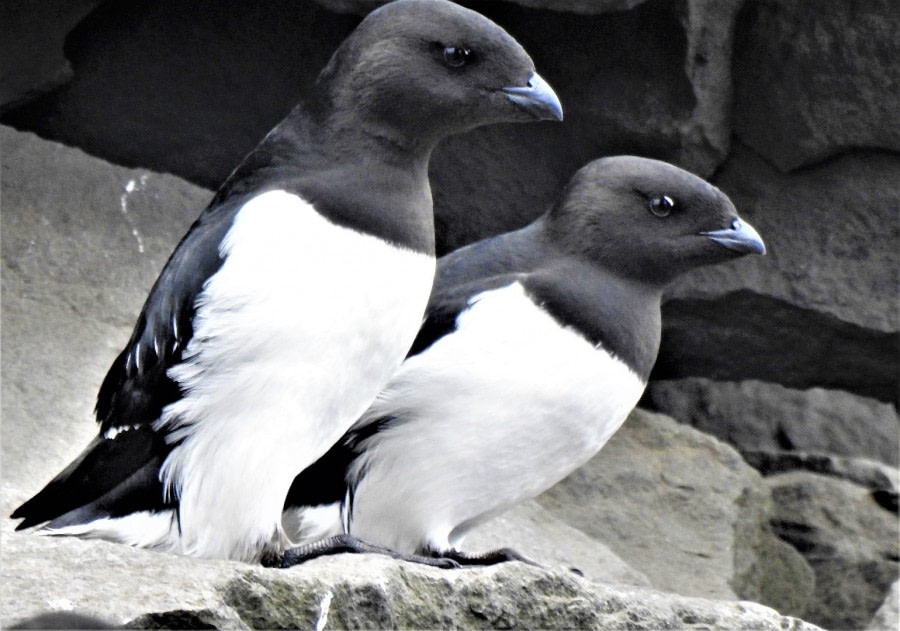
point(293, 298)
point(536, 346)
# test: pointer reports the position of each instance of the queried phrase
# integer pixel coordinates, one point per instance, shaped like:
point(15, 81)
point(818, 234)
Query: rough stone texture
point(33, 34)
point(188, 96)
point(869, 474)
point(586, 7)
point(887, 618)
point(754, 415)
point(545, 538)
point(81, 245)
point(686, 511)
point(709, 27)
point(848, 539)
point(156, 590)
point(821, 308)
point(813, 83)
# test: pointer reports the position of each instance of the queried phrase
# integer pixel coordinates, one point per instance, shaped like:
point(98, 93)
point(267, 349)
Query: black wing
point(137, 386)
point(445, 305)
point(118, 472)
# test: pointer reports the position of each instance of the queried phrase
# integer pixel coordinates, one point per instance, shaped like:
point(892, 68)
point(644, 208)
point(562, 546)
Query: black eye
point(661, 206)
point(457, 56)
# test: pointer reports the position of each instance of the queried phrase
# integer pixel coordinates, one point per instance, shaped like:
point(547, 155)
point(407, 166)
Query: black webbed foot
point(491, 557)
point(348, 543)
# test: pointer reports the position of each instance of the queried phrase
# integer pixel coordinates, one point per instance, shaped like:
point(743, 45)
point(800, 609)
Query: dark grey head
point(648, 219)
point(423, 69)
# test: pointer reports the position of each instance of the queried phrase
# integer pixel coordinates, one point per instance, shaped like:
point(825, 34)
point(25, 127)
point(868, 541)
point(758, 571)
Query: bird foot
point(491, 557)
point(347, 543)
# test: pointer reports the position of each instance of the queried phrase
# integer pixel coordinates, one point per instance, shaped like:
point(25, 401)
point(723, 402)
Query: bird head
point(424, 69)
point(649, 220)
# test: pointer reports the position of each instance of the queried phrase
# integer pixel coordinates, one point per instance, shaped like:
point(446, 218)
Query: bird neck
point(610, 310)
point(518, 251)
point(350, 175)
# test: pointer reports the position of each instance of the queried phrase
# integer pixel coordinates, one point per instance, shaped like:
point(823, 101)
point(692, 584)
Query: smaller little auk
point(536, 346)
point(293, 298)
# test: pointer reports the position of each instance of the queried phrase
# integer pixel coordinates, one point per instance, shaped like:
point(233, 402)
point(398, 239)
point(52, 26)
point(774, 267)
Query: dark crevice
point(745, 335)
point(784, 441)
point(887, 499)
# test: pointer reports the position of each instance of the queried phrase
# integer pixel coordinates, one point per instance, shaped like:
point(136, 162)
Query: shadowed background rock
point(792, 358)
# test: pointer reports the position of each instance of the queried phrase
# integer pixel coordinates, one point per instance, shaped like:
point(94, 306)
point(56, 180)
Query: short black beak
point(537, 98)
point(741, 237)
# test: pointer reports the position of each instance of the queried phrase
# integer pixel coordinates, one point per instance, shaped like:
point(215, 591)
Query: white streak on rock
point(131, 187)
point(324, 607)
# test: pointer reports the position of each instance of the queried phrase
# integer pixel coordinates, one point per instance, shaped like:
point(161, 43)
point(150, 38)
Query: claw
point(348, 543)
point(491, 557)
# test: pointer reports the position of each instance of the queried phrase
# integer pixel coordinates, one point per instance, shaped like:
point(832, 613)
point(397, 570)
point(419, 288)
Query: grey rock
point(685, 510)
point(586, 7)
point(114, 582)
point(536, 533)
point(821, 309)
point(62, 620)
point(887, 618)
point(82, 243)
point(709, 27)
point(33, 36)
point(759, 416)
point(848, 539)
point(870, 474)
point(812, 81)
point(182, 88)
point(143, 589)
point(355, 7)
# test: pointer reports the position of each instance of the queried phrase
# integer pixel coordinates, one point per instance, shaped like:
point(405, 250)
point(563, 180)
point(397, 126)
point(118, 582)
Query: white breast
point(293, 337)
point(497, 412)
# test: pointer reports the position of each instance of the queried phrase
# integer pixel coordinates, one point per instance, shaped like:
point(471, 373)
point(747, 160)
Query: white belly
point(293, 337)
point(500, 411)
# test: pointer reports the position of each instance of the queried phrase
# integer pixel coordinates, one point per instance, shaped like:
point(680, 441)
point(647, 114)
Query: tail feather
point(112, 476)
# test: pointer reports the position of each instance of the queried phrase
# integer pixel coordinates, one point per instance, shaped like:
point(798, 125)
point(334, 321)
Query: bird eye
point(662, 206)
point(457, 56)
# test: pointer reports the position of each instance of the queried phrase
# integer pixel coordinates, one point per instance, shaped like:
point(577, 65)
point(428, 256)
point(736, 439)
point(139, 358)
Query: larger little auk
point(293, 298)
point(536, 346)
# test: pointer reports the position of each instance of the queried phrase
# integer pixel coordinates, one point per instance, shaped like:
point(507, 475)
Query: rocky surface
point(760, 416)
point(586, 7)
point(33, 36)
point(849, 540)
point(872, 475)
point(821, 308)
point(156, 590)
point(685, 510)
point(812, 84)
point(82, 243)
point(889, 613)
point(546, 538)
